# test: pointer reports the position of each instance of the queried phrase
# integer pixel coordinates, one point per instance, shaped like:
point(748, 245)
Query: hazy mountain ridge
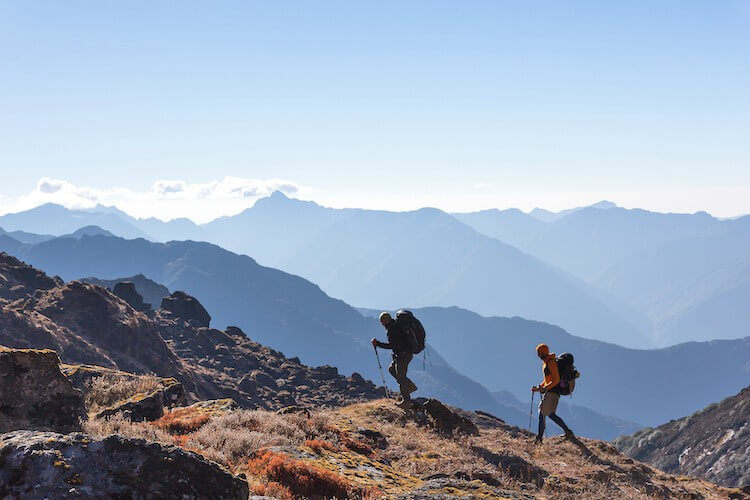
point(331, 247)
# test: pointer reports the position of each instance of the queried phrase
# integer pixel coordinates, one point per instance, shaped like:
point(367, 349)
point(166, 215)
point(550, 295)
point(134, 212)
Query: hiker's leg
point(561, 423)
point(402, 365)
point(410, 386)
point(542, 424)
point(558, 421)
point(395, 370)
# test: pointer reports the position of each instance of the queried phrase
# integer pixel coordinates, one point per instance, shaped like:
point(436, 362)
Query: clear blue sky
point(457, 104)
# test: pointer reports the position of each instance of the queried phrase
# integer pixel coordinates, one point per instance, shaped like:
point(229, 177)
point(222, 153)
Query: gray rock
point(186, 307)
point(50, 465)
point(127, 292)
point(34, 394)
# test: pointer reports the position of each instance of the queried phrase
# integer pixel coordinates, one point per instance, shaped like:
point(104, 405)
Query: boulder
point(34, 394)
point(127, 292)
point(148, 406)
point(444, 420)
point(187, 308)
point(49, 465)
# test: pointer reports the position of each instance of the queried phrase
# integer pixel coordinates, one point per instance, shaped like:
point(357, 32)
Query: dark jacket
point(396, 338)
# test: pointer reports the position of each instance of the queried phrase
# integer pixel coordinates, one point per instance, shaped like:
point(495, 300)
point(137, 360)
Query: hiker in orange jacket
point(550, 390)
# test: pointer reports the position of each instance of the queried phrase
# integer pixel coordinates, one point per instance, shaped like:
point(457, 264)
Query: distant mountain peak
point(604, 205)
point(90, 230)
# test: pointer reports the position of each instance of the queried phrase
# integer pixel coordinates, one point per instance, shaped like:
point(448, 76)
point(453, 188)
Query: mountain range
point(385, 259)
point(688, 274)
point(293, 315)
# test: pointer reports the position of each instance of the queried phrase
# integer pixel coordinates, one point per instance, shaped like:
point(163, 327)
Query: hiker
point(402, 355)
point(550, 390)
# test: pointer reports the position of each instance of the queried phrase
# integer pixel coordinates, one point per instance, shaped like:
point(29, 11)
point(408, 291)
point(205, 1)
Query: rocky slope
point(376, 450)
point(87, 324)
point(713, 443)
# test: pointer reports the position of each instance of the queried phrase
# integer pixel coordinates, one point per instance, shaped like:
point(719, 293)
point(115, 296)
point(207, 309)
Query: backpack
point(412, 329)
point(568, 373)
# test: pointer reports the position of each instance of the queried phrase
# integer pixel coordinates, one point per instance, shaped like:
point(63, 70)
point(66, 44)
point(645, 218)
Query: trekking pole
point(531, 409)
point(387, 396)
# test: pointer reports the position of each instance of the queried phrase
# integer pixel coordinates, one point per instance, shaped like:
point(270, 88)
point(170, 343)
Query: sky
point(198, 108)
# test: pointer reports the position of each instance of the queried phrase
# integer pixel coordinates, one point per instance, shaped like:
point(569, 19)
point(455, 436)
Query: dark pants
point(555, 419)
point(398, 369)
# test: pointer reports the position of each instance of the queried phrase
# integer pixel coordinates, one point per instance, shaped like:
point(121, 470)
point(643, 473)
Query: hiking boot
point(404, 403)
point(412, 387)
point(538, 440)
point(569, 434)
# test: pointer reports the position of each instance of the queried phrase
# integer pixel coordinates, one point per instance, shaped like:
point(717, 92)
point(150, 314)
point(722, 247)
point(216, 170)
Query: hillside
point(212, 449)
point(277, 310)
point(88, 325)
point(375, 449)
point(711, 443)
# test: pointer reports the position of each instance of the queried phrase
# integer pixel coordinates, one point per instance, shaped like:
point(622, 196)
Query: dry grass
point(289, 456)
point(103, 392)
point(118, 425)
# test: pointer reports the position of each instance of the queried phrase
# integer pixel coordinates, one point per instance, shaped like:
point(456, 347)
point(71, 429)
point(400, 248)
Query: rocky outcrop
point(127, 292)
point(148, 406)
point(49, 465)
point(18, 280)
point(227, 364)
point(34, 394)
point(187, 308)
point(712, 444)
point(87, 324)
point(151, 291)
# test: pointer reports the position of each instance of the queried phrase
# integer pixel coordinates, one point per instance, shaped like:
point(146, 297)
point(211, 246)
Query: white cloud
point(166, 199)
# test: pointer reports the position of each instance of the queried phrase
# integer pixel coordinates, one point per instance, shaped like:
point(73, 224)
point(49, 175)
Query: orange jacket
point(551, 373)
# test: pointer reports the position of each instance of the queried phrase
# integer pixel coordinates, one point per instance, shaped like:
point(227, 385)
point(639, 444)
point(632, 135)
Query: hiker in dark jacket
point(550, 390)
point(401, 356)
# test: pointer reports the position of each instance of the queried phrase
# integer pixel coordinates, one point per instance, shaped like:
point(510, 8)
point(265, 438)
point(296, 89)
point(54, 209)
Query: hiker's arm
point(383, 345)
point(554, 377)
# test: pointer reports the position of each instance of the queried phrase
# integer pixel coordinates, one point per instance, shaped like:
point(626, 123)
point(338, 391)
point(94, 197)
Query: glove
point(374, 342)
point(534, 389)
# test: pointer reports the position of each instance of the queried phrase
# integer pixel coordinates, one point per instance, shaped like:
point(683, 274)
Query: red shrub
point(271, 489)
point(182, 421)
point(301, 479)
point(317, 445)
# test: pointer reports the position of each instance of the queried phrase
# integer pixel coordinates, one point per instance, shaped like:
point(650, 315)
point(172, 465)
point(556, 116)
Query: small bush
point(318, 445)
point(182, 421)
point(271, 489)
point(300, 478)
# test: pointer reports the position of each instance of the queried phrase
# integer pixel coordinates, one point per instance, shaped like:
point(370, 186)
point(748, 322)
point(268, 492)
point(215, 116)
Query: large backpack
point(568, 373)
point(413, 330)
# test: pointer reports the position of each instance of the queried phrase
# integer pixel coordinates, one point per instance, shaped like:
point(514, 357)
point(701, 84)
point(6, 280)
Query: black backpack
point(412, 329)
point(568, 373)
